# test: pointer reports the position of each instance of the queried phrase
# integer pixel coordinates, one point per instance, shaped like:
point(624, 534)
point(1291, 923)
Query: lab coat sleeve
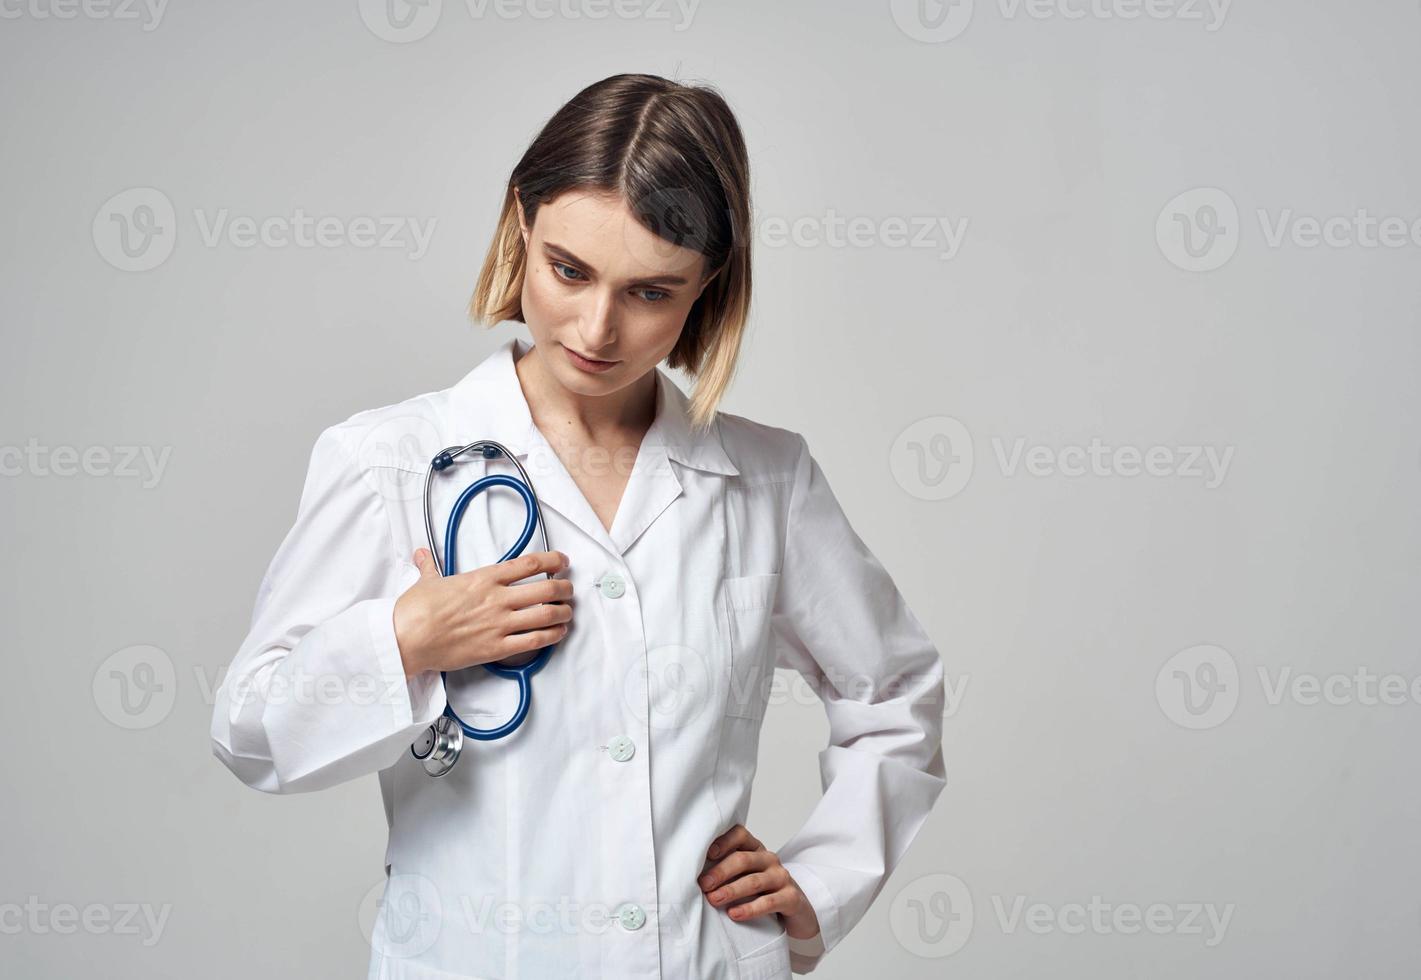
point(841, 622)
point(317, 693)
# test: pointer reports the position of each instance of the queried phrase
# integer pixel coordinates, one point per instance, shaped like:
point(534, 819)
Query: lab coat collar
point(488, 403)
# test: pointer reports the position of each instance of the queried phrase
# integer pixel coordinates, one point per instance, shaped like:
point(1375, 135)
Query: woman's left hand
point(747, 880)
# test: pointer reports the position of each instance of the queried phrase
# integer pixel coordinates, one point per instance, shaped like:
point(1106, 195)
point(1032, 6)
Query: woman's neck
point(600, 420)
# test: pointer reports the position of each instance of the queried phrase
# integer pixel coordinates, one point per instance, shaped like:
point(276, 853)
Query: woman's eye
point(572, 274)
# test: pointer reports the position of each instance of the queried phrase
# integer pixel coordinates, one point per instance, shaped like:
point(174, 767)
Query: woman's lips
point(587, 364)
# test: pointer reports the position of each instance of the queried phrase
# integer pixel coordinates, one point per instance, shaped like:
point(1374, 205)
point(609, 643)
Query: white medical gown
point(587, 827)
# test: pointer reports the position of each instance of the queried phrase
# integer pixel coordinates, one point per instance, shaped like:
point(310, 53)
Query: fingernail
point(705, 881)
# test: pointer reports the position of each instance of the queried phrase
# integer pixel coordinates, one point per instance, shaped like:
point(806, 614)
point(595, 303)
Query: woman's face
point(600, 285)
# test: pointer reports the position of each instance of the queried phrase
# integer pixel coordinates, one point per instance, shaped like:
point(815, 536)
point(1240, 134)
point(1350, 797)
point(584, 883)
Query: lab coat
point(572, 847)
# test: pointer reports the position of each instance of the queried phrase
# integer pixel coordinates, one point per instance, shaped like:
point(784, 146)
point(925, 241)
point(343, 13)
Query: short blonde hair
point(675, 154)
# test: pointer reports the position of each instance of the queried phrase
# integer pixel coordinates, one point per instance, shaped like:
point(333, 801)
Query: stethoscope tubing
point(448, 566)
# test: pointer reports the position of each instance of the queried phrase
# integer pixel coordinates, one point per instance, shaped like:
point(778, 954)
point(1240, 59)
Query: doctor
point(693, 552)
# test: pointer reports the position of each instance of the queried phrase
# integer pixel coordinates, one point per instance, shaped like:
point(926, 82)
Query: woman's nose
point(597, 326)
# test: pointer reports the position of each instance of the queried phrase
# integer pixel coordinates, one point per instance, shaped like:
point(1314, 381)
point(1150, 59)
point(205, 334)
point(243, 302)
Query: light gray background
point(1065, 316)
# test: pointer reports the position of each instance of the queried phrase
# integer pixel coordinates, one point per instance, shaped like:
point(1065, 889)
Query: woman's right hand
point(456, 621)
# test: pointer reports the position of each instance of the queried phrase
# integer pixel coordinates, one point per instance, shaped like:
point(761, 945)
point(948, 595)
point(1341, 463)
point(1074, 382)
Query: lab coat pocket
point(749, 600)
point(759, 946)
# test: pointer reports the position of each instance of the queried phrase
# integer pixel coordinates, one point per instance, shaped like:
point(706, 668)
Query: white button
point(631, 915)
point(621, 748)
point(612, 585)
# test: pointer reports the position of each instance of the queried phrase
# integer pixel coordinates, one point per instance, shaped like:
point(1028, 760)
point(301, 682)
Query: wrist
point(411, 651)
point(802, 923)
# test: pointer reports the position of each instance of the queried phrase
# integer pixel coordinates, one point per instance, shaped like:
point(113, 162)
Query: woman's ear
point(522, 223)
point(707, 281)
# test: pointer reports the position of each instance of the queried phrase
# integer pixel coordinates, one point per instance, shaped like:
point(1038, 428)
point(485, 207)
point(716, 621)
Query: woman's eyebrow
point(666, 278)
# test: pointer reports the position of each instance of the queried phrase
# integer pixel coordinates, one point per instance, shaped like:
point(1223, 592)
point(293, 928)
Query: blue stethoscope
point(439, 747)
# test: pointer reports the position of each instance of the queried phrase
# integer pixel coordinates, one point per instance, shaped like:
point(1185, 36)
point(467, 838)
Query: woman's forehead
point(601, 231)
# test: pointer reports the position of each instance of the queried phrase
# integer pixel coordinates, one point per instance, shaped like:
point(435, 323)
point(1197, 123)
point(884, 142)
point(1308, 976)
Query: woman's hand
point(475, 617)
point(748, 880)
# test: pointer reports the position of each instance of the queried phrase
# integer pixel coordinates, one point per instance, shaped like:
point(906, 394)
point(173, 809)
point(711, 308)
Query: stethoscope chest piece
point(439, 747)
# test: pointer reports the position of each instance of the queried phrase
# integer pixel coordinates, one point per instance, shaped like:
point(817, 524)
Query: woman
point(695, 552)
